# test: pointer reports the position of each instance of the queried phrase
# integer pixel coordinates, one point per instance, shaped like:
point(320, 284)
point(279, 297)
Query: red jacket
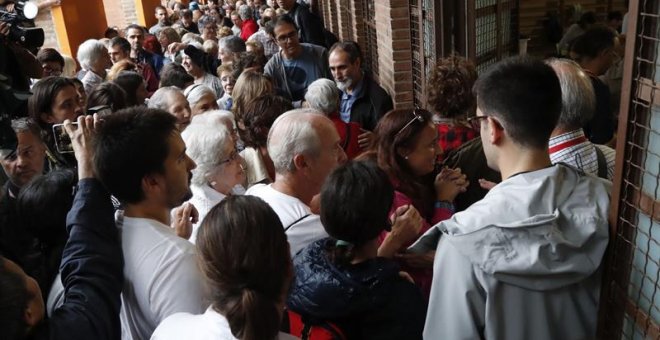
point(249, 28)
point(348, 132)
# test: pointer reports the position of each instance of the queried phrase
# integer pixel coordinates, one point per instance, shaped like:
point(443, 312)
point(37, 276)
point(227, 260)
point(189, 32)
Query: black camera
point(24, 11)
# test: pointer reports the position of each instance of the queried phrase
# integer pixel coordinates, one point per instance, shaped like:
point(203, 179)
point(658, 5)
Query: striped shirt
point(574, 149)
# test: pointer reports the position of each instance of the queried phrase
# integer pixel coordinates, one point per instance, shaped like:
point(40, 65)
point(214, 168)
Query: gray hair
point(293, 134)
point(204, 21)
point(578, 101)
point(245, 12)
point(205, 144)
point(190, 37)
point(231, 43)
point(89, 52)
point(213, 116)
point(26, 124)
point(195, 92)
point(323, 95)
point(160, 98)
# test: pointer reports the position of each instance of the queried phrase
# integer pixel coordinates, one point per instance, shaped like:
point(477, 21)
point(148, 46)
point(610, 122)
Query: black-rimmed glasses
point(416, 117)
point(475, 122)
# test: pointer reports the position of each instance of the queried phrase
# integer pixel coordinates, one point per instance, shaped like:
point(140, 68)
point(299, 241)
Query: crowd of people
point(234, 172)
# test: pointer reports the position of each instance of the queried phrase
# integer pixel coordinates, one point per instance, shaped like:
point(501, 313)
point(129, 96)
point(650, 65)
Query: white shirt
point(290, 210)
point(160, 276)
point(208, 326)
point(204, 198)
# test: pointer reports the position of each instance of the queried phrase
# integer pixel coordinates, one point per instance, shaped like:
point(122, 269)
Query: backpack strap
point(602, 163)
point(296, 222)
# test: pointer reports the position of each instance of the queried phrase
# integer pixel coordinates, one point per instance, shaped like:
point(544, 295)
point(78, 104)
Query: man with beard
point(297, 64)
point(141, 159)
point(362, 100)
point(163, 20)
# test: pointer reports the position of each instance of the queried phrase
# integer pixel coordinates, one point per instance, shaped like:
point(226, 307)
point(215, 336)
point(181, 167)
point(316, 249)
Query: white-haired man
point(305, 148)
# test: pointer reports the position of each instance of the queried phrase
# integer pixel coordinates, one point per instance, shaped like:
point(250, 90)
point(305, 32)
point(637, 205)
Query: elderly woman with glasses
point(211, 145)
point(406, 148)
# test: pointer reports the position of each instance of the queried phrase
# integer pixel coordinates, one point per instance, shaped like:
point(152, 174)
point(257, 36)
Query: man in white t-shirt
point(305, 147)
point(141, 158)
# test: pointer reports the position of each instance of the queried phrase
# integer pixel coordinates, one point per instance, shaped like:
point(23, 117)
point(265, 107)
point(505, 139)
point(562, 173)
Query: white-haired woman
point(94, 58)
point(219, 169)
point(201, 99)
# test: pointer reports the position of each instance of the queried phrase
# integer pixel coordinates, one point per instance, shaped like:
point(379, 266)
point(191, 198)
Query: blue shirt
point(347, 101)
point(301, 72)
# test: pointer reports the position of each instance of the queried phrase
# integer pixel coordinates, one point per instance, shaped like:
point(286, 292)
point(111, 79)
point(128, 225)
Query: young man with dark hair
point(135, 36)
point(51, 61)
point(297, 64)
point(524, 262)
point(163, 20)
point(141, 158)
point(309, 25)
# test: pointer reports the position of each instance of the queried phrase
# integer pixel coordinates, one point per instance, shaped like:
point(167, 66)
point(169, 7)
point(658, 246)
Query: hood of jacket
point(325, 291)
point(539, 230)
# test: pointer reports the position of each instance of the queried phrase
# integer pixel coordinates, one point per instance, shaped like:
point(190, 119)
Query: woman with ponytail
point(341, 279)
point(244, 255)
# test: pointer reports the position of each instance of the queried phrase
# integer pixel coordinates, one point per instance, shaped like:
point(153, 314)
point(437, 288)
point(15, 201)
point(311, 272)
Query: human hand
point(184, 217)
point(315, 204)
point(406, 224)
point(449, 183)
point(422, 261)
point(365, 138)
point(175, 47)
point(81, 136)
point(484, 184)
point(406, 277)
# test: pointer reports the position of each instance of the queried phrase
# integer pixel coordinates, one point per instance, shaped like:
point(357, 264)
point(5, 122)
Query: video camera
point(29, 37)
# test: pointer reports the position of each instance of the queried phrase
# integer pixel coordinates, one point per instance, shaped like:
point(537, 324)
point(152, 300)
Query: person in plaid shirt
point(450, 97)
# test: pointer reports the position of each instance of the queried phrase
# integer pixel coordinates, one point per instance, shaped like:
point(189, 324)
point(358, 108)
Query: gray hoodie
point(524, 262)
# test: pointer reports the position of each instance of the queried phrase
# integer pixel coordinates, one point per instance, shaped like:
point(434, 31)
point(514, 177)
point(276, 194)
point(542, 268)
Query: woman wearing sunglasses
point(212, 147)
point(406, 148)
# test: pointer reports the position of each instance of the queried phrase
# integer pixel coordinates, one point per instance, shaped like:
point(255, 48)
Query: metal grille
point(495, 31)
point(630, 304)
point(424, 39)
point(371, 50)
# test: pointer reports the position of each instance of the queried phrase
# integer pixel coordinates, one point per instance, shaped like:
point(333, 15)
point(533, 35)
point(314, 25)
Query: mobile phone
point(62, 140)
point(101, 110)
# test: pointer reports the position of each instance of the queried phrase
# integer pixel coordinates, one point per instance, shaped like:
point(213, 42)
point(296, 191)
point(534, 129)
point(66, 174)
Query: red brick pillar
point(394, 50)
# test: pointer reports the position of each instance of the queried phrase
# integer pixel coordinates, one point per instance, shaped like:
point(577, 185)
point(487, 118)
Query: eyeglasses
point(52, 72)
point(232, 157)
point(475, 122)
point(417, 117)
point(284, 38)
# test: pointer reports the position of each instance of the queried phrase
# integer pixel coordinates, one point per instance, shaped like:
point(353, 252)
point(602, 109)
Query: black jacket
point(371, 106)
point(309, 25)
point(92, 271)
point(367, 301)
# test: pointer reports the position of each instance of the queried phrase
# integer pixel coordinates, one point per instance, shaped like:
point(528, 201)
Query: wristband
point(445, 205)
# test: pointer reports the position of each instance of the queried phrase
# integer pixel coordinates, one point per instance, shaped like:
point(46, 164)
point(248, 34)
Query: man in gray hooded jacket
point(524, 262)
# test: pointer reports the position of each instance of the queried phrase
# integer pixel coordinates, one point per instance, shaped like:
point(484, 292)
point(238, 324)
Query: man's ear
point(495, 131)
point(151, 184)
point(300, 162)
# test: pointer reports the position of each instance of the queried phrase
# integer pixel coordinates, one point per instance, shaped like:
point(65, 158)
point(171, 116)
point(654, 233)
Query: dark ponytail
point(244, 255)
point(355, 202)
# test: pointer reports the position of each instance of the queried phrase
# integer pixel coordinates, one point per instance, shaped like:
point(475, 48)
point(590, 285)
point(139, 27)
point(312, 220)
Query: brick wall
point(120, 13)
point(394, 50)
point(45, 21)
point(345, 18)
